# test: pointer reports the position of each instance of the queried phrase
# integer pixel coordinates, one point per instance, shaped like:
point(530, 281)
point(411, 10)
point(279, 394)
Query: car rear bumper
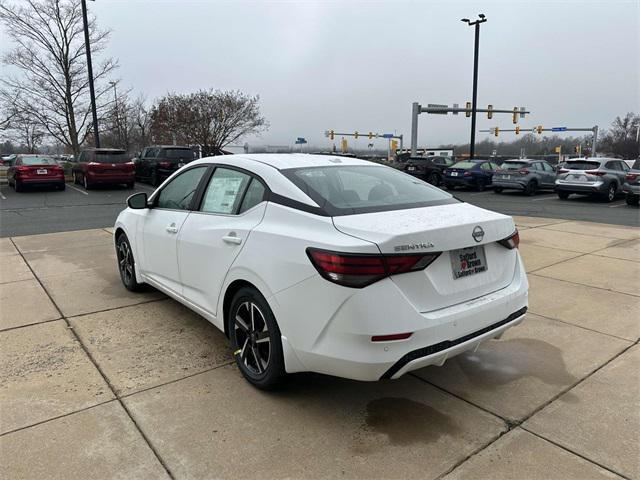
point(41, 181)
point(632, 189)
point(343, 346)
point(111, 178)
point(509, 184)
point(581, 187)
point(459, 180)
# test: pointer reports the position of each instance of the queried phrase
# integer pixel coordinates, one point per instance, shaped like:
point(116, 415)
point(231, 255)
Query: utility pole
point(115, 100)
point(474, 100)
point(92, 93)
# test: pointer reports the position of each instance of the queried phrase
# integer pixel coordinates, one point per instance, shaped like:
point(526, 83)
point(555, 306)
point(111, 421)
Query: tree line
point(44, 92)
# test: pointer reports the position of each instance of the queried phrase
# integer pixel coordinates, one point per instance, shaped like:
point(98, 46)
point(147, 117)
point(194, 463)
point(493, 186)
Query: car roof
point(93, 149)
point(177, 147)
point(283, 161)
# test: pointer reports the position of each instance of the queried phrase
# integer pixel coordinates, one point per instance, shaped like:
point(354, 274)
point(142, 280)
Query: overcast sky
point(358, 65)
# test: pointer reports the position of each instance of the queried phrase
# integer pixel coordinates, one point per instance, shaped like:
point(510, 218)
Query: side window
point(547, 167)
point(485, 166)
point(224, 191)
point(625, 167)
point(255, 195)
point(611, 166)
point(536, 166)
point(150, 153)
point(178, 193)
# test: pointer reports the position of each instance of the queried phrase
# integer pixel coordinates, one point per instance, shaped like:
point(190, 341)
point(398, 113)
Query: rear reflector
point(390, 338)
point(360, 270)
point(512, 241)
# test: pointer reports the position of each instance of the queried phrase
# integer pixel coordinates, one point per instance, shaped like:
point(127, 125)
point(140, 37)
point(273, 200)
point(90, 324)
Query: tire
point(531, 188)
point(480, 185)
point(497, 190)
point(632, 199)
point(85, 183)
point(130, 185)
point(449, 186)
point(256, 345)
point(127, 264)
point(433, 179)
point(75, 178)
point(154, 178)
point(62, 186)
point(563, 195)
point(610, 195)
point(17, 186)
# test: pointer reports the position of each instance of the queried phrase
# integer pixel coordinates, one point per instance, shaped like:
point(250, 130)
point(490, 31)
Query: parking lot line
point(480, 193)
point(618, 205)
point(78, 190)
point(548, 197)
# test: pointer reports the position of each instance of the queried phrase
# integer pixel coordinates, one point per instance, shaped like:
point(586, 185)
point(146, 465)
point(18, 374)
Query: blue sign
point(301, 140)
point(559, 129)
point(387, 135)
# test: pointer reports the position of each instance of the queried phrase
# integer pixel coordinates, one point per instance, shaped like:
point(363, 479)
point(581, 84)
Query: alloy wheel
point(611, 194)
point(125, 262)
point(252, 337)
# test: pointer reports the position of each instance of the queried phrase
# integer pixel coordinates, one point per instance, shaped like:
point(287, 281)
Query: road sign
point(387, 135)
point(559, 129)
point(436, 106)
point(300, 141)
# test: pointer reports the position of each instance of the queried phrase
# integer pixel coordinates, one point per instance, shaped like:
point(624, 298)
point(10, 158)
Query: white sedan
point(326, 264)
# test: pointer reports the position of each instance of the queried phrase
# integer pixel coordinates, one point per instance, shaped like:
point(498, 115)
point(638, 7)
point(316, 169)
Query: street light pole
point(474, 101)
point(117, 111)
point(92, 92)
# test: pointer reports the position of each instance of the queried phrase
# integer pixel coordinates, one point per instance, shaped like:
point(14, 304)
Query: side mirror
point(137, 201)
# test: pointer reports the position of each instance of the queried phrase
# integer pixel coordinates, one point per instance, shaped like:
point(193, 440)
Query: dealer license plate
point(411, 169)
point(468, 261)
point(454, 174)
point(579, 178)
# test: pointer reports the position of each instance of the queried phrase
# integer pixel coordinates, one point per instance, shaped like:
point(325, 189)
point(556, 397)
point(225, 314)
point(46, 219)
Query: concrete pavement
point(98, 382)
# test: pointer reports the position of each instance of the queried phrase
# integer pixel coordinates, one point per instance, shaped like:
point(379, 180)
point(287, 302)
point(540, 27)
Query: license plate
point(454, 174)
point(41, 171)
point(468, 261)
point(411, 169)
point(579, 178)
point(506, 177)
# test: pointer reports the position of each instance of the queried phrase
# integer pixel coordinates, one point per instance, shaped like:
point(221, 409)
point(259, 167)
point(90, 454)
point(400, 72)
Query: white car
point(325, 264)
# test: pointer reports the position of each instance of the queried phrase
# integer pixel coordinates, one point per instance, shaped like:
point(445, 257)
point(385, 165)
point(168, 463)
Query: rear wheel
point(450, 186)
point(17, 186)
point(563, 195)
point(433, 179)
point(610, 195)
point(154, 178)
point(632, 199)
point(85, 183)
point(497, 190)
point(62, 186)
point(481, 185)
point(255, 339)
point(531, 188)
point(126, 264)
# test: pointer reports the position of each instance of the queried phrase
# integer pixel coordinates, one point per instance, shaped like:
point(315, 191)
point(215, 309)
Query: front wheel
point(126, 264)
point(497, 190)
point(563, 195)
point(255, 339)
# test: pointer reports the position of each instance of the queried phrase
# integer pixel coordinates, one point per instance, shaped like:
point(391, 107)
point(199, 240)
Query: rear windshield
point(348, 190)
point(109, 157)
point(37, 161)
point(183, 153)
point(464, 165)
point(582, 165)
point(513, 165)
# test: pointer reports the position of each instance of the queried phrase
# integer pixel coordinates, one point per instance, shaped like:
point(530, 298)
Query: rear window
point(182, 153)
point(465, 165)
point(111, 157)
point(583, 165)
point(37, 161)
point(513, 165)
point(348, 190)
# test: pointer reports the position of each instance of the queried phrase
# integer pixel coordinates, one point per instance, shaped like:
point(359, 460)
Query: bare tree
point(209, 118)
point(49, 53)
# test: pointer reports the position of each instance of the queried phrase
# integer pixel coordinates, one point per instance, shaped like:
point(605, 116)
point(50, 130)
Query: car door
point(162, 224)
point(548, 174)
point(623, 174)
point(487, 172)
point(212, 237)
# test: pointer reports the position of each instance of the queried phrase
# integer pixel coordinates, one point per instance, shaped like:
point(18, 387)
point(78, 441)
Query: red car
point(103, 166)
point(35, 170)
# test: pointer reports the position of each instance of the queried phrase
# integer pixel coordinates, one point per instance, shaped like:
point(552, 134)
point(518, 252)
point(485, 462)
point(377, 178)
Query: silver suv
point(524, 174)
point(631, 185)
point(597, 176)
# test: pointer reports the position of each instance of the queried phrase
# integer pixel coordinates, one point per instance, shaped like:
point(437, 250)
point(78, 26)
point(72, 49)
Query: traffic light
point(467, 113)
point(331, 134)
point(539, 128)
point(496, 131)
point(576, 149)
point(394, 146)
point(515, 115)
point(517, 129)
point(355, 135)
point(370, 135)
point(489, 112)
point(343, 145)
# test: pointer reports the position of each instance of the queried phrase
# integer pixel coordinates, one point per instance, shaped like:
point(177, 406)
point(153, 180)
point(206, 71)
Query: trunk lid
point(444, 228)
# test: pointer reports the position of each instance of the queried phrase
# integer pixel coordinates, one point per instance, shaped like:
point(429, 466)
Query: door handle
point(232, 238)
point(172, 228)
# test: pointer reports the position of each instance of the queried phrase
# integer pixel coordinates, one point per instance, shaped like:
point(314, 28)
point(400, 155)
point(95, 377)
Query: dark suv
point(156, 163)
point(103, 166)
point(429, 169)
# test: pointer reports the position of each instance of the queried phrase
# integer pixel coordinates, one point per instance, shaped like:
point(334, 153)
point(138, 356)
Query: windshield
point(346, 190)
point(513, 165)
point(184, 153)
point(582, 165)
point(37, 161)
point(465, 165)
point(111, 157)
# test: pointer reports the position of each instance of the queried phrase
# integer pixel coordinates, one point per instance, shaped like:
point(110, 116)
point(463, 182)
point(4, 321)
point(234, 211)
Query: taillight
point(512, 241)
point(467, 174)
point(631, 177)
point(524, 171)
point(164, 164)
point(563, 170)
point(22, 169)
point(392, 337)
point(596, 173)
point(360, 270)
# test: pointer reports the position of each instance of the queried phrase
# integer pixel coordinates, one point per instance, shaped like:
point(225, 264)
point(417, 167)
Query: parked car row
point(606, 178)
